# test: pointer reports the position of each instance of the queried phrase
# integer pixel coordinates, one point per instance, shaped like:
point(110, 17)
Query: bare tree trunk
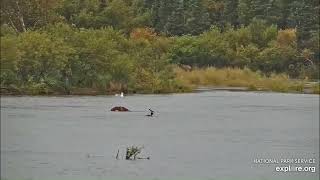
point(20, 17)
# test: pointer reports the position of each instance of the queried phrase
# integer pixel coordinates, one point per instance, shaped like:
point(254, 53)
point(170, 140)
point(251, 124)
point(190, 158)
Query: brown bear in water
point(120, 109)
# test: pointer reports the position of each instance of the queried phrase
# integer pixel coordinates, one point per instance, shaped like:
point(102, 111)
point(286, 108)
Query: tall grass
point(316, 88)
point(235, 77)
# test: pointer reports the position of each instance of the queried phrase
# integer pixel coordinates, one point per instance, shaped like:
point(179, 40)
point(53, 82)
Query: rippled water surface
point(209, 135)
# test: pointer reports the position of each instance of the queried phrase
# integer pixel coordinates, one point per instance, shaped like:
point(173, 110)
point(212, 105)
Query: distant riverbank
point(208, 79)
point(235, 79)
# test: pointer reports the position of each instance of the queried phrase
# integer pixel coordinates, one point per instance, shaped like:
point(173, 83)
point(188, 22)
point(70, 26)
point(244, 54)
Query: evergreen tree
point(246, 11)
point(279, 13)
point(215, 10)
point(231, 12)
point(175, 23)
point(163, 9)
point(305, 17)
point(197, 18)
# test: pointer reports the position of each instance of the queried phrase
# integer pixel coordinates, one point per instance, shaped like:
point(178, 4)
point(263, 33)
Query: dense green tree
point(42, 57)
point(231, 12)
point(176, 24)
point(261, 33)
point(10, 56)
point(246, 11)
point(197, 18)
point(22, 15)
point(215, 10)
point(305, 17)
point(165, 9)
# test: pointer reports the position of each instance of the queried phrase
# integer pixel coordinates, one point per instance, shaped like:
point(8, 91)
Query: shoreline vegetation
point(235, 79)
point(205, 79)
point(92, 47)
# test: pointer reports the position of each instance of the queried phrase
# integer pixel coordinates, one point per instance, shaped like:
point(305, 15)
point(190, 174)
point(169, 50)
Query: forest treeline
point(52, 46)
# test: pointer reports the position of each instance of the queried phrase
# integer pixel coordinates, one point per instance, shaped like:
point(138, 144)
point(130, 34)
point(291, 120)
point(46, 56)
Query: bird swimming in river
point(151, 113)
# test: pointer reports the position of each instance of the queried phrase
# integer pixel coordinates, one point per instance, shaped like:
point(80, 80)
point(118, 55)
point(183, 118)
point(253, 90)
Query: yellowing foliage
point(143, 33)
point(287, 37)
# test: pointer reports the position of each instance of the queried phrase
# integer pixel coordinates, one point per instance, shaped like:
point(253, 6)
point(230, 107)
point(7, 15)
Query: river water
point(207, 135)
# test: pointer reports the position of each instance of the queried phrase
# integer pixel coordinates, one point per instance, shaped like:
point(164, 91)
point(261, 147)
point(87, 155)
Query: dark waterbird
point(151, 113)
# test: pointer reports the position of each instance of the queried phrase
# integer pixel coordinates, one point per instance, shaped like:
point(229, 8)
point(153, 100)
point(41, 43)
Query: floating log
point(120, 109)
point(132, 152)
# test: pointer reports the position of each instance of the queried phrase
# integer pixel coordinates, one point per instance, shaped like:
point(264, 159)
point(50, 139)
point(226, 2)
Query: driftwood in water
point(132, 153)
point(120, 109)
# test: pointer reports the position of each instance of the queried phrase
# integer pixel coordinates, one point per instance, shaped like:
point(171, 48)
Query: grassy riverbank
point(235, 77)
point(187, 81)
